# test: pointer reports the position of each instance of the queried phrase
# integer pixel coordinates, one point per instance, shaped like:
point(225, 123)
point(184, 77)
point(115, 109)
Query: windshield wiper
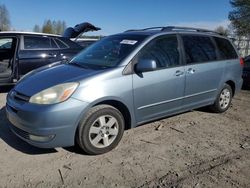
point(79, 65)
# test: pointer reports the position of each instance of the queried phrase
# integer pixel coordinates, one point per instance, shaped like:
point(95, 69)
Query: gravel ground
point(193, 149)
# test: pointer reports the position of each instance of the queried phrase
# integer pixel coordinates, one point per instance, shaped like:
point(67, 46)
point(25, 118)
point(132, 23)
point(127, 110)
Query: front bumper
point(57, 123)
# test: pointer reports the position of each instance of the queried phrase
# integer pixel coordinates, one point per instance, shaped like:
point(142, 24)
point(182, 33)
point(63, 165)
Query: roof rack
point(176, 28)
point(145, 29)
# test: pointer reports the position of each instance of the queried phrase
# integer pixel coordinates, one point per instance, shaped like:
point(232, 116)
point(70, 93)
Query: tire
point(223, 100)
point(100, 130)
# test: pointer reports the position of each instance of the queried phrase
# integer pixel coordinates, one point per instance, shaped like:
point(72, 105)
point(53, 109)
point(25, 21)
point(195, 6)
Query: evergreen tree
point(240, 16)
point(47, 27)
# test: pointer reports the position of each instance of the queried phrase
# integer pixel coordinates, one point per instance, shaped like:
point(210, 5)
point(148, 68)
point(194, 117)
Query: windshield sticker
point(130, 42)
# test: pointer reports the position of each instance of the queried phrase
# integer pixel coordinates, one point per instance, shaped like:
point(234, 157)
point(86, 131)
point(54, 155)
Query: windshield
point(108, 52)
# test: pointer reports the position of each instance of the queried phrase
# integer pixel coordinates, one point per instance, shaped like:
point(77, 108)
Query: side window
point(61, 44)
point(53, 44)
point(198, 49)
point(163, 50)
point(31, 42)
point(225, 48)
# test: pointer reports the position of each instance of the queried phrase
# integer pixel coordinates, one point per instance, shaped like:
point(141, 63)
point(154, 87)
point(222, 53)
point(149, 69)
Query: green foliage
point(240, 16)
point(4, 18)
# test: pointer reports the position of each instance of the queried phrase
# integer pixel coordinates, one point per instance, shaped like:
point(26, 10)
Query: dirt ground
point(193, 149)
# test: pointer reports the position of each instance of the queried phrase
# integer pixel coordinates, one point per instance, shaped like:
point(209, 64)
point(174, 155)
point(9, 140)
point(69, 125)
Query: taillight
point(242, 62)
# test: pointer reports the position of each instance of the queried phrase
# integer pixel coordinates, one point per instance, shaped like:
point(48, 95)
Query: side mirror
point(145, 65)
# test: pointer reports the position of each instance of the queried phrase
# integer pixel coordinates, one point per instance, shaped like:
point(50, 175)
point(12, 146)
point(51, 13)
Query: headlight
point(56, 94)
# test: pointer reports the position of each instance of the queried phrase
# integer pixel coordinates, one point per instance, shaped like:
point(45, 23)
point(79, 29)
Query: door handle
point(51, 55)
point(179, 73)
point(47, 56)
point(191, 71)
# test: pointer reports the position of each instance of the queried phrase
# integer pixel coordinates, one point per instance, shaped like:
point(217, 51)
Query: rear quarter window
point(70, 43)
point(225, 49)
point(61, 44)
point(198, 49)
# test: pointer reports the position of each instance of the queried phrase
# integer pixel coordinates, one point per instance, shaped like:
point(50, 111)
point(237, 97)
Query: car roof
point(27, 33)
point(172, 29)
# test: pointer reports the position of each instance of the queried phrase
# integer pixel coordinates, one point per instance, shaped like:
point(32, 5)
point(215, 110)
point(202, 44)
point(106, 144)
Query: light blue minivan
point(122, 81)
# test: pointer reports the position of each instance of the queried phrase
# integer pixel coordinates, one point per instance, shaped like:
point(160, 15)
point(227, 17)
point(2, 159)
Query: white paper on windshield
point(130, 42)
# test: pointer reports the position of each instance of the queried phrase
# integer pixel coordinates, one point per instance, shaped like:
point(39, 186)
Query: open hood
point(71, 32)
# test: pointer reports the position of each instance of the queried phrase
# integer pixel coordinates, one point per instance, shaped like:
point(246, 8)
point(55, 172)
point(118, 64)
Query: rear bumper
point(55, 124)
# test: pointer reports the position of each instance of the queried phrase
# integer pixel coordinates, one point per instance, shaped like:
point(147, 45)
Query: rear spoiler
point(79, 29)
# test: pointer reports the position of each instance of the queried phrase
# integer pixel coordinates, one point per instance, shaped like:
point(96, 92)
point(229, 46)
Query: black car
point(21, 52)
point(246, 72)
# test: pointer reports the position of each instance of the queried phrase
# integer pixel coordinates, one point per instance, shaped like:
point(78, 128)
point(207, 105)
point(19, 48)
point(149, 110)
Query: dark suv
point(21, 52)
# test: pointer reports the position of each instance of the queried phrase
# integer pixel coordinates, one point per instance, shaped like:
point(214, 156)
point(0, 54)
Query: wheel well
point(232, 85)
point(122, 108)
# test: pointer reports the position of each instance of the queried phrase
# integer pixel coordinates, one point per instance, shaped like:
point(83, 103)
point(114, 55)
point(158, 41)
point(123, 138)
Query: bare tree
point(37, 28)
point(4, 18)
point(222, 30)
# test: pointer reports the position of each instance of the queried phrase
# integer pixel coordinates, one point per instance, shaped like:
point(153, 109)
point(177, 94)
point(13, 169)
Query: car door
point(36, 51)
point(158, 93)
point(203, 71)
point(8, 45)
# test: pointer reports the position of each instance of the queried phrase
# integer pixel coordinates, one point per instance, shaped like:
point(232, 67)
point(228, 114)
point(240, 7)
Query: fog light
point(41, 138)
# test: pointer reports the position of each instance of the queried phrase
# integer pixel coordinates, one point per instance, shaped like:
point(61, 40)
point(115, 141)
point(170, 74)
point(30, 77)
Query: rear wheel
point(100, 130)
point(223, 100)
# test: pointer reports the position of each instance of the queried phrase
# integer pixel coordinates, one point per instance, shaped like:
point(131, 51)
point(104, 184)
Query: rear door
point(203, 70)
point(36, 51)
point(159, 92)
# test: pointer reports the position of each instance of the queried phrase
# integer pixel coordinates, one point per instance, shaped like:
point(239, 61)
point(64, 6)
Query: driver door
point(159, 93)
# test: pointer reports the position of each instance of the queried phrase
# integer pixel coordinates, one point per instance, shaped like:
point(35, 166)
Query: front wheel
point(223, 100)
point(100, 130)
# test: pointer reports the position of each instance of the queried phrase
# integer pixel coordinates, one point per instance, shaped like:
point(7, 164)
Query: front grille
point(20, 132)
point(20, 97)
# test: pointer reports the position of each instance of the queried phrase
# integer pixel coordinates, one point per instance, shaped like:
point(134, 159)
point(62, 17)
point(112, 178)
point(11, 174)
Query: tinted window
point(31, 42)
point(70, 43)
point(53, 44)
point(61, 44)
point(163, 50)
point(108, 52)
point(199, 49)
point(226, 50)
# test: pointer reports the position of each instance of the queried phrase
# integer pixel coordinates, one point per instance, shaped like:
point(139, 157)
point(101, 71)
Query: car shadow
point(75, 149)
point(6, 89)
point(15, 142)
point(244, 87)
